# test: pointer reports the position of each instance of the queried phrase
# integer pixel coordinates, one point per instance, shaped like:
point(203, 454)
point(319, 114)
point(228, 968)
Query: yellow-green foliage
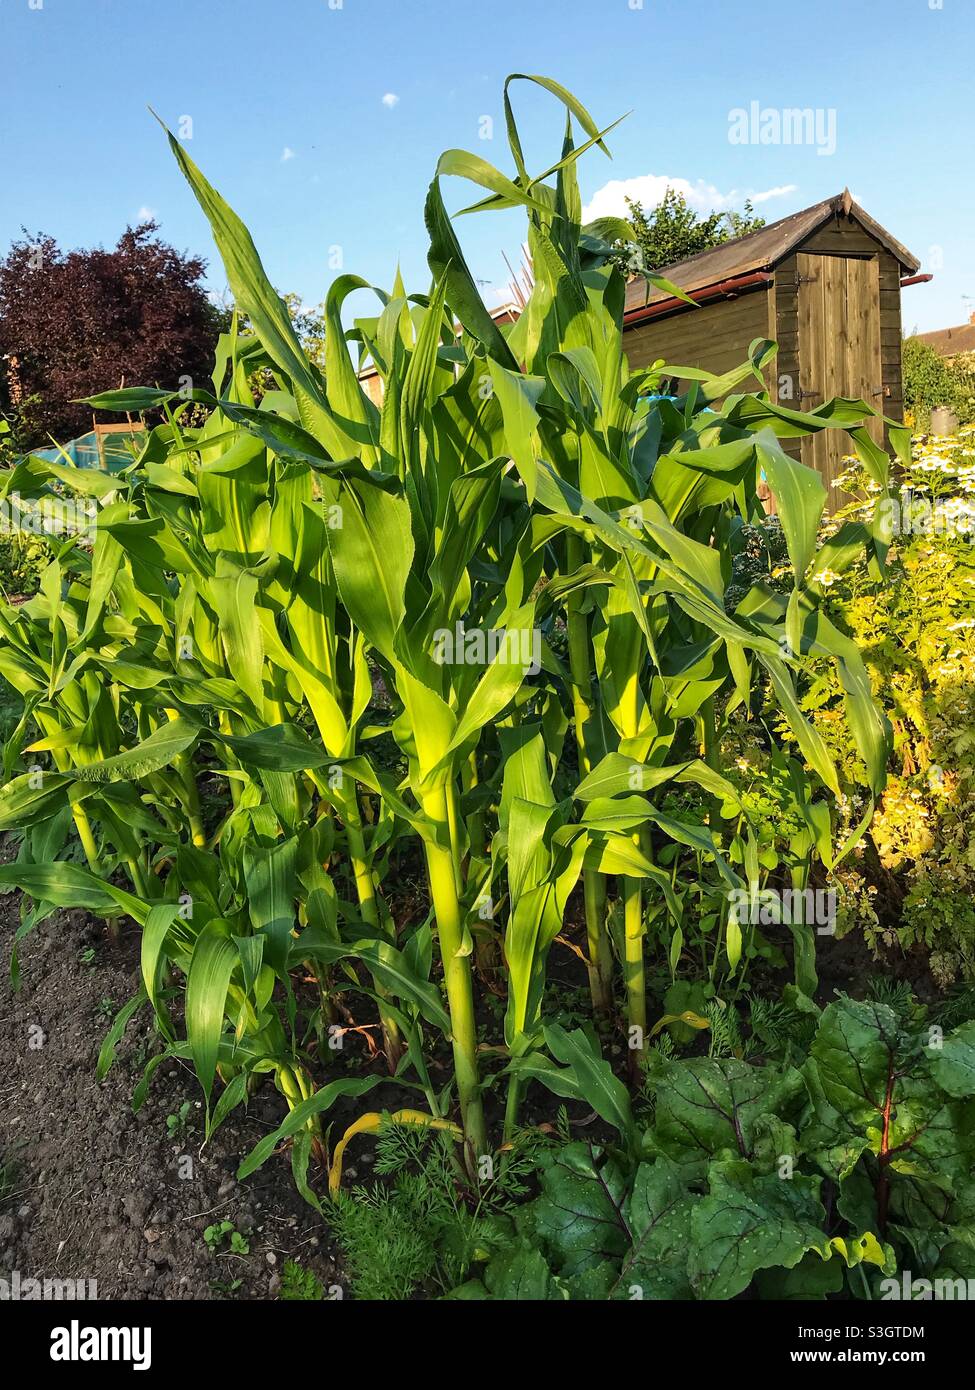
point(917, 634)
point(22, 559)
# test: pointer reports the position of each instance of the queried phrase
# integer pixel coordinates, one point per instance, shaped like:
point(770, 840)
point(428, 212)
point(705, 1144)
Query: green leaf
point(154, 959)
point(157, 751)
point(271, 881)
point(255, 297)
point(211, 966)
point(297, 1118)
point(278, 748)
point(748, 1223)
point(446, 261)
point(131, 400)
point(372, 551)
point(953, 1063)
point(579, 1214)
point(800, 496)
point(29, 799)
point(658, 1216)
point(235, 593)
point(594, 1076)
point(390, 967)
point(518, 397)
point(522, 1275)
point(106, 1054)
point(69, 885)
point(706, 1105)
point(872, 1089)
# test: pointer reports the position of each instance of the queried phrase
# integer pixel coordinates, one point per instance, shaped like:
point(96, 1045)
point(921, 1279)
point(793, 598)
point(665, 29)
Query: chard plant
point(528, 550)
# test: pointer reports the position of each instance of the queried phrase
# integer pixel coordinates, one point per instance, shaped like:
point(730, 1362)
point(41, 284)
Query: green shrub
point(23, 559)
point(913, 880)
point(962, 370)
point(930, 381)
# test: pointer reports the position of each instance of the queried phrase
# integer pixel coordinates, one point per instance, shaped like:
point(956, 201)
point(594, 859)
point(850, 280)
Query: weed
point(224, 1233)
point(177, 1124)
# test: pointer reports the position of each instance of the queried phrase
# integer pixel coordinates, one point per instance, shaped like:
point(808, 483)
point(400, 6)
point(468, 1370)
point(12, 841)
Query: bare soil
point(101, 1193)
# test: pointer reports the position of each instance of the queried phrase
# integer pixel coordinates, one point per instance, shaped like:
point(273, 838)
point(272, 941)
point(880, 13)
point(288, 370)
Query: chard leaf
point(953, 1063)
point(748, 1223)
point(707, 1105)
point(658, 1214)
point(579, 1215)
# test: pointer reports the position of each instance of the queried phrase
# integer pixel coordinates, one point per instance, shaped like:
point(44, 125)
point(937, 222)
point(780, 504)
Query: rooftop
point(950, 341)
point(764, 249)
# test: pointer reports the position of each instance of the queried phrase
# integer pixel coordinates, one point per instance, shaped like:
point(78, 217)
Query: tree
point(672, 231)
point(309, 324)
point(78, 322)
point(929, 381)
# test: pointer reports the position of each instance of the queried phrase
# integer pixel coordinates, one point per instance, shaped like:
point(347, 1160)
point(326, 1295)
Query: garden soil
point(97, 1192)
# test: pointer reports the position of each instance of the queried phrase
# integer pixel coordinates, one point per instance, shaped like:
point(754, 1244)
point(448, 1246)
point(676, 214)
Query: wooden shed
point(824, 283)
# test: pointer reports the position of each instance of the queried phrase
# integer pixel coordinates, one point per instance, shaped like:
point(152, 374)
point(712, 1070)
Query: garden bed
point(94, 1191)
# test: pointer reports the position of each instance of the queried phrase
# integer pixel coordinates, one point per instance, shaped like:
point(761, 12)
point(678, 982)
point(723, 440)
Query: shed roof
point(764, 249)
point(949, 341)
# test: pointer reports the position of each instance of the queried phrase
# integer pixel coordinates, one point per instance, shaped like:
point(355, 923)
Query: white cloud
point(649, 189)
point(286, 154)
point(390, 100)
point(781, 191)
point(145, 214)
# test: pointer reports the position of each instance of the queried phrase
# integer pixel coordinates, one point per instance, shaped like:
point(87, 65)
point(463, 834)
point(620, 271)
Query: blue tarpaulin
point(117, 450)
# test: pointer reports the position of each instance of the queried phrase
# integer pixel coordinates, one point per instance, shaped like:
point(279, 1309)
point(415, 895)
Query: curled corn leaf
point(688, 1016)
point(371, 1123)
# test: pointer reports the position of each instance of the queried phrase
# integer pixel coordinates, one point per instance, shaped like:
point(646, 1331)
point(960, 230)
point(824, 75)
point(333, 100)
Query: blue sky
point(289, 119)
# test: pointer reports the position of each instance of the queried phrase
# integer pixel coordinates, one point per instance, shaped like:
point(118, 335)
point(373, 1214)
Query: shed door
point(839, 349)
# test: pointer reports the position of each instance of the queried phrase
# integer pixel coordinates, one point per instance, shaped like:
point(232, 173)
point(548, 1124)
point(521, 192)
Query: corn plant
point(528, 550)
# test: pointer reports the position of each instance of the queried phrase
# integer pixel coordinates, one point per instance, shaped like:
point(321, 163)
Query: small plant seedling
point(87, 956)
point(224, 1232)
point(225, 1287)
point(177, 1124)
point(299, 1284)
point(106, 1008)
point(143, 1050)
